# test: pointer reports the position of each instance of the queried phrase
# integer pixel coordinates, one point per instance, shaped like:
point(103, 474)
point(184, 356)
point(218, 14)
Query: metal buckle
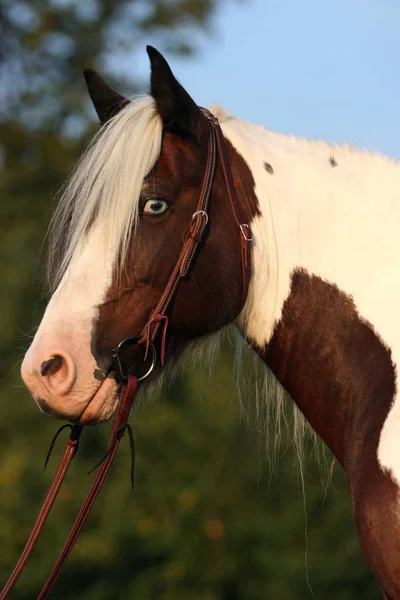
point(243, 227)
point(202, 213)
point(119, 370)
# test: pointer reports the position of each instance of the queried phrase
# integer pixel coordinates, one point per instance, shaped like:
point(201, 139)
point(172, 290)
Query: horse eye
point(155, 206)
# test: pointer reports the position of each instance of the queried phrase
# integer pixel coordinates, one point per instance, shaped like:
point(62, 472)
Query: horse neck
point(312, 255)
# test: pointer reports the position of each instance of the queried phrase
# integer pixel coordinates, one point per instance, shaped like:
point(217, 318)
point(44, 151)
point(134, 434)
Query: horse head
point(116, 236)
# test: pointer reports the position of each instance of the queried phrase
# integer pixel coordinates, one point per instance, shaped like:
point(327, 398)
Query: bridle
point(194, 236)
point(157, 321)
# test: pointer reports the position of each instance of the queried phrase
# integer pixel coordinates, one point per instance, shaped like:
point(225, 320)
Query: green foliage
point(208, 520)
point(44, 46)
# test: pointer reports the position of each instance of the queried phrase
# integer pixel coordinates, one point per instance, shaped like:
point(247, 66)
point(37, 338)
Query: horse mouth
point(103, 404)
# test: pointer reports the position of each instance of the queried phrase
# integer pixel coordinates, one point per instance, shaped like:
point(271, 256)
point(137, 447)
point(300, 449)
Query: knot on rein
point(73, 440)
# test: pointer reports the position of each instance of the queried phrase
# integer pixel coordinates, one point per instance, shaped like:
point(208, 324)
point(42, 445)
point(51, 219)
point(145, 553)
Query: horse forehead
point(176, 152)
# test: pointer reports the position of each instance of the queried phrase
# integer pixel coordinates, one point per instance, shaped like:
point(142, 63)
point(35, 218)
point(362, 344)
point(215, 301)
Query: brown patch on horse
point(332, 161)
point(208, 298)
point(317, 353)
point(268, 168)
point(341, 375)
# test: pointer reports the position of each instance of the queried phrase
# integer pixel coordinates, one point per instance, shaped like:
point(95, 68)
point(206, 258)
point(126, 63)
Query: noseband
point(157, 321)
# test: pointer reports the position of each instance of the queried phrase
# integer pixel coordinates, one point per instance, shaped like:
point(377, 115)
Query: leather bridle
point(157, 320)
point(158, 317)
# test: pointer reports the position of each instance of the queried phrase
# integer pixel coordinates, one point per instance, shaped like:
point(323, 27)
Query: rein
point(157, 320)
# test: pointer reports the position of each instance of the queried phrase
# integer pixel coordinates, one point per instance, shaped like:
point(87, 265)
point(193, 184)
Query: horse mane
point(102, 193)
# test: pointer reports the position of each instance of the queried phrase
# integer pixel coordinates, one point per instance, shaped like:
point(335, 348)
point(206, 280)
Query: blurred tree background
point(210, 519)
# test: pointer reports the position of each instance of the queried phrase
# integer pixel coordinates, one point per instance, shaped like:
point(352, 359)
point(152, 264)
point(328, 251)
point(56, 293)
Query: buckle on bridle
point(121, 372)
point(243, 228)
point(202, 213)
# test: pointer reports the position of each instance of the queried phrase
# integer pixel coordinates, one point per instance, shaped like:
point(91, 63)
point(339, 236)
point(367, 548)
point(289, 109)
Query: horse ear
point(106, 102)
point(177, 109)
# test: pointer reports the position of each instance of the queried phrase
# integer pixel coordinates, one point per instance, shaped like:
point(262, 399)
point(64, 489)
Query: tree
point(44, 46)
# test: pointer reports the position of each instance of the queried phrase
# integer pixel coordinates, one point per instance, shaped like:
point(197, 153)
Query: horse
point(317, 299)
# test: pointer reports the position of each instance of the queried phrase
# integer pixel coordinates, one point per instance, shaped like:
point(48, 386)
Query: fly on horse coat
point(306, 264)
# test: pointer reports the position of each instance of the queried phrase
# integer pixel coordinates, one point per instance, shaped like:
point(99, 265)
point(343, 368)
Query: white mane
point(105, 186)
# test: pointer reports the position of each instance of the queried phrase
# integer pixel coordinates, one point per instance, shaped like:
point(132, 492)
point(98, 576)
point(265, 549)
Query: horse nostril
point(51, 366)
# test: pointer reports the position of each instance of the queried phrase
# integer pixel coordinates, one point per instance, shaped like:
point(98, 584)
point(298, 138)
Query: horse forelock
point(103, 191)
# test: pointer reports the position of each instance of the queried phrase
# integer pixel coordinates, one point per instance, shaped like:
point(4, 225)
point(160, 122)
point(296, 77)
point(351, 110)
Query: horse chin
point(102, 405)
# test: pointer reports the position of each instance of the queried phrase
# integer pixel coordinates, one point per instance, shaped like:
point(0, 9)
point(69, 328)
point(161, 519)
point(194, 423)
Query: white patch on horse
point(338, 224)
point(67, 326)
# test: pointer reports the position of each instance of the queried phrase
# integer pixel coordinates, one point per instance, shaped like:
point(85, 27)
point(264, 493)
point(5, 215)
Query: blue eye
point(155, 206)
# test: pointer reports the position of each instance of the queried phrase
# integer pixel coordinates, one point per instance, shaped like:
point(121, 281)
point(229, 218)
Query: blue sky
point(314, 68)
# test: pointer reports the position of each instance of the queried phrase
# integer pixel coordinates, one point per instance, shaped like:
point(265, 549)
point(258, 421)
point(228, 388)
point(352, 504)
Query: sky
point(313, 68)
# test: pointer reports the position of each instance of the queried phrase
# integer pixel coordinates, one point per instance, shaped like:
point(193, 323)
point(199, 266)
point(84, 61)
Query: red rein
point(119, 427)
